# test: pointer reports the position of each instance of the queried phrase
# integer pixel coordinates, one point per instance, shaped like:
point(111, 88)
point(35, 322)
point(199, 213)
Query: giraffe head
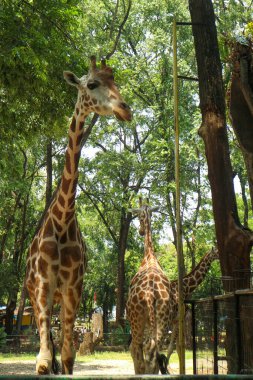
point(97, 92)
point(214, 254)
point(144, 213)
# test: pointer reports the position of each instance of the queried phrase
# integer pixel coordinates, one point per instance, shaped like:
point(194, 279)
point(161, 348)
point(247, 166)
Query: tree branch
point(114, 238)
point(120, 30)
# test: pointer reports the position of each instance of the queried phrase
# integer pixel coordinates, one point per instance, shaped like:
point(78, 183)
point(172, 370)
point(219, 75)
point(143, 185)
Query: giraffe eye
point(92, 84)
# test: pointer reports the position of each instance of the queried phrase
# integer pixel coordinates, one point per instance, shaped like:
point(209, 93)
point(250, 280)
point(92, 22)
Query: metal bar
point(215, 335)
point(238, 334)
point(180, 260)
point(127, 377)
point(194, 341)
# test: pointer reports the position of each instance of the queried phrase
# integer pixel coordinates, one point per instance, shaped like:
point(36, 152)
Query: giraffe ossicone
point(57, 255)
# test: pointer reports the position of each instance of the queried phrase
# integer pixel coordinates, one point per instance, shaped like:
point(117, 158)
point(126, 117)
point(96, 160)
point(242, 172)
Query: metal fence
point(20, 344)
point(223, 333)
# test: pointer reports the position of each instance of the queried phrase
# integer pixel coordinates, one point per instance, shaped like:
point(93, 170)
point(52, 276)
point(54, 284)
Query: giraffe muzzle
point(123, 112)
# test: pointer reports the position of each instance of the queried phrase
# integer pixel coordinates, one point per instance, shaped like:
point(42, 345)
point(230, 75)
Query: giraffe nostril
point(125, 106)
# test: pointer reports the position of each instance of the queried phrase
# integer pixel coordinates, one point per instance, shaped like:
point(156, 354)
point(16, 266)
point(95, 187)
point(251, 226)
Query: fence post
point(179, 245)
point(238, 333)
point(215, 336)
point(194, 345)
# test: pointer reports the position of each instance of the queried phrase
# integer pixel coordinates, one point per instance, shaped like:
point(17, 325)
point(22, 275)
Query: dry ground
point(94, 367)
point(98, 367)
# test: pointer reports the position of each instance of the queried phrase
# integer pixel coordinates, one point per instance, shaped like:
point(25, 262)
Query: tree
point(233, 240)
point(40, 39)
point(241, 102)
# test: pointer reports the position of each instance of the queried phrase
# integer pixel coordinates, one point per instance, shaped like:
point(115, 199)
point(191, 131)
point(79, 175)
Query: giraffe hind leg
point(163, 363)
point(138, 359)
point(151, 352)
point(55, 363)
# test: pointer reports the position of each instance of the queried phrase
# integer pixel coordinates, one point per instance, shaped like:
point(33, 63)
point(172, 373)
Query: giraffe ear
point(156, 208)
point(71, 78)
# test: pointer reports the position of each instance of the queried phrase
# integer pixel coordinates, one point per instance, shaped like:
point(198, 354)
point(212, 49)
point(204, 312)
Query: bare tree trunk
point(241, 104)
point(9, 225)
point(13, 292)
point(124, 229)
point(234, 242)
point(49, 167)
point(21, 308)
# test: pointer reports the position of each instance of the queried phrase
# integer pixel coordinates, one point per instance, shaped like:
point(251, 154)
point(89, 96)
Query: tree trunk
point(8, 227)
point(10, 308)
point(49, 167)
point(21, 308)
point(13, 295)
point(248, 158)
point(241, 104)
point(106, 310)
point(234, 242)
point(124, 229)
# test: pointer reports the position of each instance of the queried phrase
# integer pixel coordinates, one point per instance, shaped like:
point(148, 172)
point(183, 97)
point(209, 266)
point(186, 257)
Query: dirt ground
point(97, 367)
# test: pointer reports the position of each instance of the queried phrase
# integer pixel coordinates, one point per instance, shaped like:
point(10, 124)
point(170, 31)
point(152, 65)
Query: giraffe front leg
point(68, 315)
point(44, 358)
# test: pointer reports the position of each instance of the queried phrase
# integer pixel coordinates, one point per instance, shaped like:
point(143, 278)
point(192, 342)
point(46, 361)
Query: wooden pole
point(180, 259)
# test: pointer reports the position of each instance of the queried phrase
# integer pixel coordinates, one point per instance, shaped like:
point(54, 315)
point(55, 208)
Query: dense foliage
point(40, 39)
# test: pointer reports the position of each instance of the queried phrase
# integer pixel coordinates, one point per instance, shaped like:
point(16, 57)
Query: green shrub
point(2, 337)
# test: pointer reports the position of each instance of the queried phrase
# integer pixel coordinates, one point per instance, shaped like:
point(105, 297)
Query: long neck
point(197, 275)
point(148, 242)
point(65, 196)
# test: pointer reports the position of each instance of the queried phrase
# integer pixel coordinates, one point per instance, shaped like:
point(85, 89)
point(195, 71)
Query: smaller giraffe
point(150, 305)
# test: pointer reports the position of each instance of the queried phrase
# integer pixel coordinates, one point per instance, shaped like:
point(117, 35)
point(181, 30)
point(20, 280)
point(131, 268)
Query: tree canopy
point(40, 39)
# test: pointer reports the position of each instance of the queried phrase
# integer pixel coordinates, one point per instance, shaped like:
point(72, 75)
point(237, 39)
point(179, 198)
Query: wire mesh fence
point(223, 333)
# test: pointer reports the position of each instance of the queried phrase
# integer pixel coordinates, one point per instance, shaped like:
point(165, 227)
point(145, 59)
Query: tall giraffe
point(57, 255)
point(152, 304)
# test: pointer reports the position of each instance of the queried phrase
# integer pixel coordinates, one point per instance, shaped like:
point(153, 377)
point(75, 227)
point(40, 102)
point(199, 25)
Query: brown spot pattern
point(65, 274)
point(48, 229)
point(73, 124)
point(42, 267)
point(61, 200)
point(68, 162)
point(72, 230)
point(50, 249)
point(65, 184)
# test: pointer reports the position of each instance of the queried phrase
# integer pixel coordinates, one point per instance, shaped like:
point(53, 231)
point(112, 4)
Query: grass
point(7, 357)
point(106, 355)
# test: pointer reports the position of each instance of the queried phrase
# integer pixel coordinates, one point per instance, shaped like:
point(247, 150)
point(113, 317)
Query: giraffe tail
point(162, 363)
point(55, 364)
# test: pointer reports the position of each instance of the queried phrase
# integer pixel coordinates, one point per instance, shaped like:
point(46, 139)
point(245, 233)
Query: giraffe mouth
point(123, 112)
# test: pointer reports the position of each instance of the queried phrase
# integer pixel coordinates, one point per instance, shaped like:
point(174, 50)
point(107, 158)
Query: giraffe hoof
point(43, 370)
